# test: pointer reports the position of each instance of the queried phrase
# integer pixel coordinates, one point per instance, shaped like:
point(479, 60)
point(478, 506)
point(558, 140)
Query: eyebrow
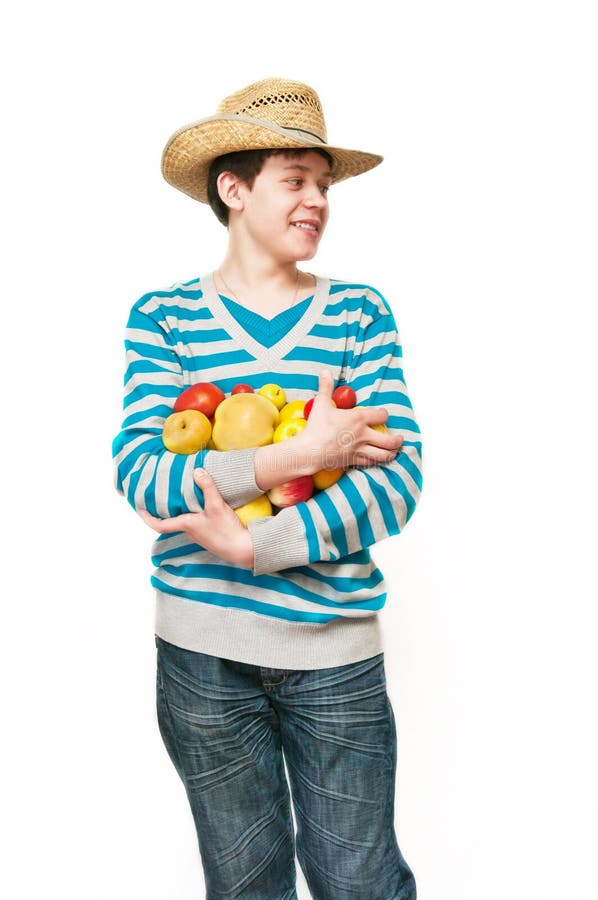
point(306, 169)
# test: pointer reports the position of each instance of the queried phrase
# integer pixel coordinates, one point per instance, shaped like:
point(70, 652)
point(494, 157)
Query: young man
point(267, 636)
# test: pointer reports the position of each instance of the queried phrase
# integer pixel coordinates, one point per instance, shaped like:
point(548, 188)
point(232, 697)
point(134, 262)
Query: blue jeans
point(225, 726)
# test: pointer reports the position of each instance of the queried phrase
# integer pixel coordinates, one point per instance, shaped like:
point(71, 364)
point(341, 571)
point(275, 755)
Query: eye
point(325, 188)
point(296, 181)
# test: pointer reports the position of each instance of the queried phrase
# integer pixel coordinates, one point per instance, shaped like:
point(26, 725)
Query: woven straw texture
point(254, 118)
point(285, 103)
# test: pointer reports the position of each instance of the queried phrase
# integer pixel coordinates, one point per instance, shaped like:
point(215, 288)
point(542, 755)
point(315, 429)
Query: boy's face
point(286, 210)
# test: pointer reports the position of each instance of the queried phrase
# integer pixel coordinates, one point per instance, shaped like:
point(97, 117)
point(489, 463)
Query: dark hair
point(246, 165)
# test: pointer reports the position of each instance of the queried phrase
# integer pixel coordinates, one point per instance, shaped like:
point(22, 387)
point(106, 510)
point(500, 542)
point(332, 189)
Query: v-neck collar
point(268, 355)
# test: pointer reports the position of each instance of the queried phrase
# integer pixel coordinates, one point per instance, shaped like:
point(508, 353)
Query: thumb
point(325, 383)
point(205, 481)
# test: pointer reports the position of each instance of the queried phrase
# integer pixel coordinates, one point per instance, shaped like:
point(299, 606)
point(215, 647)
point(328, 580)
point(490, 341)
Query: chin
point(307, 254)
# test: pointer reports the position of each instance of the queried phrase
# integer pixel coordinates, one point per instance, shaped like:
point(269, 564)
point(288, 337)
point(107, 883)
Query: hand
point(217, 527)
point(344, 437)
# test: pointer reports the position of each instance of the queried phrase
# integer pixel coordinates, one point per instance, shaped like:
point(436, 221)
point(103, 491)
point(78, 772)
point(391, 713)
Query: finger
point(376, 415)
point(150, 520)
point(384, 439)
point(164, 526)
point(374, 457)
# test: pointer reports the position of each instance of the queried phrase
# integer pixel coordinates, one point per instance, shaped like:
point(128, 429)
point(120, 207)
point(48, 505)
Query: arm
point(161, 482)
point(365, 505)
point(150, 476)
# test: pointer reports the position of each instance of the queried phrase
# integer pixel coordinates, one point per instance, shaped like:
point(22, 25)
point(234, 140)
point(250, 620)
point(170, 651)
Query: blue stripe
point(385, 505)
point(201, 336)
point(266, 582)
point(142, 367)
point(151, 446)
point(369, 379)
point(359, 509)
point(151, 351)
point(173, 553)
point(379, 351)
point(345, 585)
point(393, 396)
point(178, 292)
point(410, 467)
point(339, 331)
point(218, 360)
point(164, 315)
point(381, 325)
point(397, 484)
point(401, 422)
point(162, 411)
point(234, 602)
point(176, 502)
point(332, 516)
point(311, 534)
point(313, 354)
point(171, 392)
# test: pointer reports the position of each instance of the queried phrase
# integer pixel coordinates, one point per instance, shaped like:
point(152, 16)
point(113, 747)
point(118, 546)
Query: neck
point(248, 268)
point(255, 274)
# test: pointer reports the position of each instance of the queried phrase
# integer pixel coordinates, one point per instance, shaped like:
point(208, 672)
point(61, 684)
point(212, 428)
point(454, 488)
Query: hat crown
point(287, 104)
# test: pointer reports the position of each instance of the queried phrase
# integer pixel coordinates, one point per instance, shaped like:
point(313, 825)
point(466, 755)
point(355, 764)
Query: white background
point(480, 228)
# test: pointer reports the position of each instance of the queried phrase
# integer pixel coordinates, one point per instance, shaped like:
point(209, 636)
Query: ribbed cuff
point(233, 472)
point(279, 542)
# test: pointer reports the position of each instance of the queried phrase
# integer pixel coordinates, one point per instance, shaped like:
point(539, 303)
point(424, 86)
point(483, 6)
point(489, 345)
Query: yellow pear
point(244, 420)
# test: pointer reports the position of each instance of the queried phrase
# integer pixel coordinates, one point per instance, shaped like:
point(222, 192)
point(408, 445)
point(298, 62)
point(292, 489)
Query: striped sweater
point(312, 597)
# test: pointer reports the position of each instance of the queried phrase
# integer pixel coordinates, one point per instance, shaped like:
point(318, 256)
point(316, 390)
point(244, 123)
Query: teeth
point(304, 225)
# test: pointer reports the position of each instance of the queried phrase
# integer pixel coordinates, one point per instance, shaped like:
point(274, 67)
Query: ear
point(230, 189)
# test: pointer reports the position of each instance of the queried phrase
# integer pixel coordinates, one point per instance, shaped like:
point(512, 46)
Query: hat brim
point(188, 154)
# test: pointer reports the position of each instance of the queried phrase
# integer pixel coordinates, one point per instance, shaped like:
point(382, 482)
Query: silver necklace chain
point(228, 288)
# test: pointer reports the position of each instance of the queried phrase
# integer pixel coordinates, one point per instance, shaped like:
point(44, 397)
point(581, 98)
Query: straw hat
point(272, 113)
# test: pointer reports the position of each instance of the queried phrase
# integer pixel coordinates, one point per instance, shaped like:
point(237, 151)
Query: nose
point(314, 197)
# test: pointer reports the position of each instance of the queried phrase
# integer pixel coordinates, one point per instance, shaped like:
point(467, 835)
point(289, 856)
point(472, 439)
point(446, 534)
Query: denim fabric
point(225, 726)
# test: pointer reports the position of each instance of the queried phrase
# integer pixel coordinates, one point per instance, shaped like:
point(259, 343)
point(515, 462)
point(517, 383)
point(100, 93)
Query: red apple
point(291, 492)
point(203, 396)
point(344, 397)
point(242, 389)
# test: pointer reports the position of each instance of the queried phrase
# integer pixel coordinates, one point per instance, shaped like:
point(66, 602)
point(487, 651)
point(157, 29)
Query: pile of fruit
point(204, 418)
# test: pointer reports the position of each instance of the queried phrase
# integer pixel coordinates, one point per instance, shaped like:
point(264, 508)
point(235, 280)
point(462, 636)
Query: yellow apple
point(186, 432)
point(293, 410)
point(255, 509)
point(325, 477)
point(288, 429)
point(274, 393)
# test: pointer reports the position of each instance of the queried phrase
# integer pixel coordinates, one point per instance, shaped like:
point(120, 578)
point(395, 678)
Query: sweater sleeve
point(367, 504)
point(150, 476)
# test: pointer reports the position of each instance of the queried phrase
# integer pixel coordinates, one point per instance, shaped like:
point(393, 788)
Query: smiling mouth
point(307, 226)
